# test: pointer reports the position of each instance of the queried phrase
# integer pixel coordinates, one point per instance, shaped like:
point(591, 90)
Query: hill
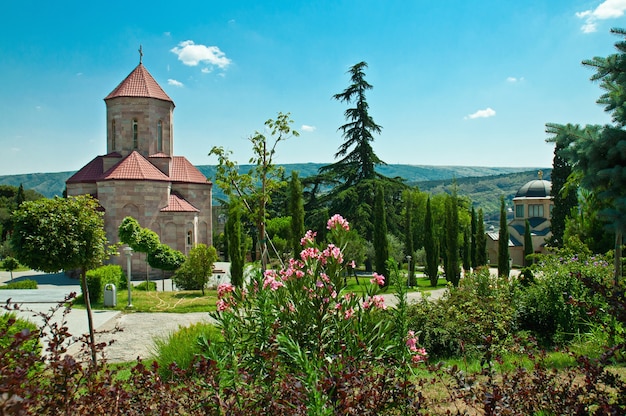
point(483, 185)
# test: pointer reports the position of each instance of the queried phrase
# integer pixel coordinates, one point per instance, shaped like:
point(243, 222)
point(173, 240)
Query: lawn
point(175, 302)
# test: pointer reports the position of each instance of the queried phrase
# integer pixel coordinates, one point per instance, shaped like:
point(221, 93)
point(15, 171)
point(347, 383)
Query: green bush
point(10, 326)
point(554, 306)
point(21, 284)
point(98, 278)
point(458, 322)
point(146, 286)
point(183, 346)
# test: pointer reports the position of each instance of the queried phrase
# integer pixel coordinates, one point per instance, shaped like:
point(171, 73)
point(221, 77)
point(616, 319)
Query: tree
point(256, 187)
point(564, 191)
point(503, 243)
point(431, 248)
point(598, 153)
point(62, 234)
point(409, 249)
point(466, 250)
point(9, 264)
point(381, 245)
point(473, 240)
point(481, 241)
point(296, 211)
point(451, 264)
point(141, 240)
point(194, 273)
point(165, 258)
point(236, 251)
point(528, 244)
point(20, 197)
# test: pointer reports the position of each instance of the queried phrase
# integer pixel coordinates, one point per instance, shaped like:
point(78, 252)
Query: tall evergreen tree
point(481, 240)
point(473, 230)
point(381, 245)
point(296, 211)
point(600, 158)
point(236, 251)
point(20, 197)
point(528, 244)
point(408, 237)
point(564, 192)
point(503, 243)
point(451, 264)
point(431, 247)
point(467, 242)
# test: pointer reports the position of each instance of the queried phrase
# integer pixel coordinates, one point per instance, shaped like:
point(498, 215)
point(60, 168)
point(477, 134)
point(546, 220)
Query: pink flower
point(309, 238)
point(309, 253)
point(332, 251)
point(349, 313)
point(272, 280)
point(379, 302)
point(222, 305)
point(338, 221)
point(224, 289)
point(377, 279)
point(419, 354)
point(352, 264)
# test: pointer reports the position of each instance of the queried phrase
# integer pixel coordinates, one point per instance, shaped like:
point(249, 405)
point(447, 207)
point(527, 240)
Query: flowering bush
point(299, 316)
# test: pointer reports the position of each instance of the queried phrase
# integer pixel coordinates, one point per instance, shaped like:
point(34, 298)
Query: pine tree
point(430, 247)
point(503, 243)
point(296, 210)
point(381, 245)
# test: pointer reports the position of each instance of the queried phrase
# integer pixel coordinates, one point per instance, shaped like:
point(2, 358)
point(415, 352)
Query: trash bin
point(110, 295)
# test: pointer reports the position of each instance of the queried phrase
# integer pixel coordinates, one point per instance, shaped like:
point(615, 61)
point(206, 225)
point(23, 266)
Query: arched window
point(189, 238)
point(135, 135)
point(159, 136)
point(113, 135)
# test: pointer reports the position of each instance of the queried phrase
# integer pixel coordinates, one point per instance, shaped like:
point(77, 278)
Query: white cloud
point(191, 54)
point(174, 83)
point(608, 9)
point(513, 79)
point(486, 113)
point(308, 128)
point(206, 70)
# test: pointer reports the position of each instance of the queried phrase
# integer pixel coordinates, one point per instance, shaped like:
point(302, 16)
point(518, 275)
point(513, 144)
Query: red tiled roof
point(183, 171)
point(92, 171)
point(134, 167)
point(139, 83)
point(177, 203)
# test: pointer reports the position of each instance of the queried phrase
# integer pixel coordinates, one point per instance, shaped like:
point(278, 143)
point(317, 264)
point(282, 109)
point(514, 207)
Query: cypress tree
point(235, 243)
point(408, 238)
point(473, 242)
point(296, 210)
point(452, 240)
point(466, 250)
point(528, 244)
point(503, 243)
point(381, 245)
point(481, 240)
point(430, 246)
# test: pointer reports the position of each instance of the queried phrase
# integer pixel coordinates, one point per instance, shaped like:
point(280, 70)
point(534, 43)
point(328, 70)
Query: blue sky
point(455, 83)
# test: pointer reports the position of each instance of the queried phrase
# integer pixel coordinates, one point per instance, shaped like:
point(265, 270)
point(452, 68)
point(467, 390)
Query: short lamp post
point(129, 253)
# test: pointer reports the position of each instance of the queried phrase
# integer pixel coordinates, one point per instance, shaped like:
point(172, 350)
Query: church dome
point(537, 188)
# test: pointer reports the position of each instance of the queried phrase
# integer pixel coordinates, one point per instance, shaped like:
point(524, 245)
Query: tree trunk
point(92, 340)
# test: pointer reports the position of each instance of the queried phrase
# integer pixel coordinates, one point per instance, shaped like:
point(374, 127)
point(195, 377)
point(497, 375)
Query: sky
point(468, 83)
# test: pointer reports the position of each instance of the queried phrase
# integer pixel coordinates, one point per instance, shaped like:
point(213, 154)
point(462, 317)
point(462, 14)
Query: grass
point(174, 302)
point(20, 284)
point(423, 285)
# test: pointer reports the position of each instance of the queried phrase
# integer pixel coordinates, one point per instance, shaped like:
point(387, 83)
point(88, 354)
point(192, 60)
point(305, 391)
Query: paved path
point(133, 334)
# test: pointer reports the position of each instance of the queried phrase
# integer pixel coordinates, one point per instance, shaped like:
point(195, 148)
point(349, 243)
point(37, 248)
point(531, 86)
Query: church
point(140, 177)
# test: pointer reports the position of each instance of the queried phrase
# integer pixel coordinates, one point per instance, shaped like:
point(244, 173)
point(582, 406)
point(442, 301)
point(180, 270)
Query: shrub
point(146, 286)
point(457, 323)
point(550, 305)
point(102, 276)
point(183, 346)
point(20, 284)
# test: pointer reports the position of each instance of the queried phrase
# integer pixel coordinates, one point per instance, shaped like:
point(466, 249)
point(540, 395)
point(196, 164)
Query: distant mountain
point(483, 185)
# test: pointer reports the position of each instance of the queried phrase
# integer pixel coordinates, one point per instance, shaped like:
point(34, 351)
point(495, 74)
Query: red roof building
point(140, 177)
